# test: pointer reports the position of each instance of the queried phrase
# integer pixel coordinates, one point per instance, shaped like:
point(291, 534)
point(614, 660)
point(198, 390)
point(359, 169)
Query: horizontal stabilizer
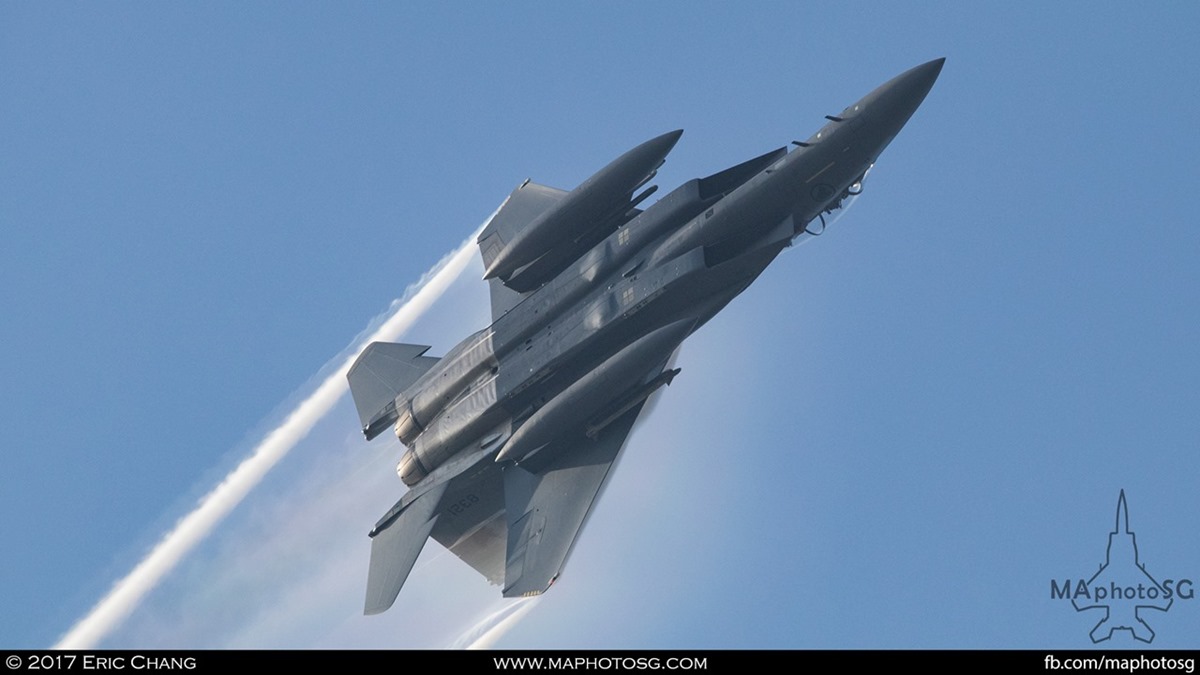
point(395, 547)
point(381, 373)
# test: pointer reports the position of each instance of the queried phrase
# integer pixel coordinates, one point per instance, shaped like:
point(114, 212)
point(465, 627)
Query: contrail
point(489, 629)
point(190, 530)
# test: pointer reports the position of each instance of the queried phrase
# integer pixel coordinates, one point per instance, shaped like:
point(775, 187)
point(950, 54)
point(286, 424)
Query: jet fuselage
point(665, 265)
point(511, 435)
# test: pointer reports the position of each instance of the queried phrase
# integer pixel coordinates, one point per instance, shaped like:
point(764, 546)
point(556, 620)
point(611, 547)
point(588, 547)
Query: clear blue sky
point(896, 438)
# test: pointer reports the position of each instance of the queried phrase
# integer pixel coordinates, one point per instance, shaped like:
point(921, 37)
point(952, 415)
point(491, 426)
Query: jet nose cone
point(905, 92)
point(923, 76)
point(892, 103)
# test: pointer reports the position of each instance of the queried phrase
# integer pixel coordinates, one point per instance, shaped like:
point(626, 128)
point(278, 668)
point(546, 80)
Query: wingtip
point(377, 605)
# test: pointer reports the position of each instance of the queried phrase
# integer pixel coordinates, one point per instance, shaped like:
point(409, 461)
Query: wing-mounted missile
point(569, 224)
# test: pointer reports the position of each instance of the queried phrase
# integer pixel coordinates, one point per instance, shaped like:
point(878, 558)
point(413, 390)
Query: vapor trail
point(489, 629)
point(191, 529)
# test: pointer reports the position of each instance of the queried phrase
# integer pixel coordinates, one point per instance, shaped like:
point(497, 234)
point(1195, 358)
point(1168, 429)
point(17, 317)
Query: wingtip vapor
point(512, 434)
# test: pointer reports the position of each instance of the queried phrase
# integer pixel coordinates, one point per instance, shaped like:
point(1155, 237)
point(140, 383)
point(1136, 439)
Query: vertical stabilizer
point(381, 373)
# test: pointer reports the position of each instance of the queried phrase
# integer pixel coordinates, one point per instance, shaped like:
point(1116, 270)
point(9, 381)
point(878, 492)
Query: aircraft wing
point(546, 510)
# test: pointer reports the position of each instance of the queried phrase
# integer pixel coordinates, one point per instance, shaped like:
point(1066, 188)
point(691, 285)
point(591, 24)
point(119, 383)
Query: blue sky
point(895, 438)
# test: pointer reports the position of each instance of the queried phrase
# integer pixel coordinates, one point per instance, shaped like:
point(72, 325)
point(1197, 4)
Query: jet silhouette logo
point(1122, 587)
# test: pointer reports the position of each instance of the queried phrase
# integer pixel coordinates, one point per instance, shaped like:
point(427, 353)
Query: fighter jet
point(512, 434)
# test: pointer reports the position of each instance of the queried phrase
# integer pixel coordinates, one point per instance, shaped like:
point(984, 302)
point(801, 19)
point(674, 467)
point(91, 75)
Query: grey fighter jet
point(512, 434)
